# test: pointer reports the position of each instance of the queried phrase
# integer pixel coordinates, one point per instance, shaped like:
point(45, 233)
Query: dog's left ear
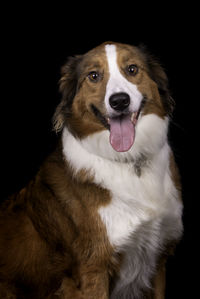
point(68, 87)
point(159, 76)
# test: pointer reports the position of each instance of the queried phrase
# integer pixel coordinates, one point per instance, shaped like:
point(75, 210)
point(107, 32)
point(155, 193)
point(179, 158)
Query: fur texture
point(94, 222)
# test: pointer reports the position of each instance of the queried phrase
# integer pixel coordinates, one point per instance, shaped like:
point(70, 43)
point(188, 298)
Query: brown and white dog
point(104, 211)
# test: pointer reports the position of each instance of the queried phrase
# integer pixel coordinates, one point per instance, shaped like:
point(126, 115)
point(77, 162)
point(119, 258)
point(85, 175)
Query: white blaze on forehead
point(118, 83)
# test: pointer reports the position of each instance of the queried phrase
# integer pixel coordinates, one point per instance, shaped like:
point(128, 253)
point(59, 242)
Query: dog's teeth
point(132, 116)
point(108, 120)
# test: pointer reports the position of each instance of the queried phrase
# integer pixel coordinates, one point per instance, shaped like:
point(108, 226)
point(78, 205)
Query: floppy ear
point(159, 76)
point(68, 87)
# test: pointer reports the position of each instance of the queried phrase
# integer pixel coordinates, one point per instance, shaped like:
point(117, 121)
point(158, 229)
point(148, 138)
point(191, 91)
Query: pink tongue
point(122, 133)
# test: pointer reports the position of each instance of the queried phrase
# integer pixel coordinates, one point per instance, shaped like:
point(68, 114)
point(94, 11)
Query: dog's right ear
point(68, 87)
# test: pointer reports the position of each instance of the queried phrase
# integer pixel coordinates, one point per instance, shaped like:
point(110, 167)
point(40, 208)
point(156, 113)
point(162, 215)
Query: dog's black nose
point(119, 101)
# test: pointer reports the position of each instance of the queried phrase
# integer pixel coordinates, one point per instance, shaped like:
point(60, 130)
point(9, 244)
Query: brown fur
point(53, 242)
point(44, 240)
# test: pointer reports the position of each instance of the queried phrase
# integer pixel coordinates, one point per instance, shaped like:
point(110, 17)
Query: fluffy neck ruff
point(151, 135)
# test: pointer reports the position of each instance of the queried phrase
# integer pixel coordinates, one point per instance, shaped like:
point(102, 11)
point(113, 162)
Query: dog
point(104, 211)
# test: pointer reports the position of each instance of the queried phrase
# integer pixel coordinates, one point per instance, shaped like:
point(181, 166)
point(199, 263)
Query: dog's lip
point(133, 116)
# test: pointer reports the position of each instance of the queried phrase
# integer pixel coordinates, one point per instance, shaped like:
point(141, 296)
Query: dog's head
point(111, 88)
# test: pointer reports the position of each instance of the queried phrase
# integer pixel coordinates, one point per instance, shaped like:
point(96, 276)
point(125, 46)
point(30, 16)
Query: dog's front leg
point(159, 283)
point(92, 285)
point(67, 290)
point(95, 284)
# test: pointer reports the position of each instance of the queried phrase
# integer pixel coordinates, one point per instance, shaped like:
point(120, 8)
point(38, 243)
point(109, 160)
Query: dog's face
point(111, 88)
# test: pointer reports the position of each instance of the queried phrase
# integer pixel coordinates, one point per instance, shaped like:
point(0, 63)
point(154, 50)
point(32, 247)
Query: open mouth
point(122, 131)
point(122, 128)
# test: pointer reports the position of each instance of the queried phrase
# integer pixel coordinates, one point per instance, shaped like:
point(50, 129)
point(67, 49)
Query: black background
point(35, 42)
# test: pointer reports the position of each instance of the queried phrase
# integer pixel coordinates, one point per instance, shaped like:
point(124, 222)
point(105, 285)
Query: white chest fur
point(138, 200)
point(135, 199)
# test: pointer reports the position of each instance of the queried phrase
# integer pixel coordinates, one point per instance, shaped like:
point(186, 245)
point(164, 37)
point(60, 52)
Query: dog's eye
point(94, 76)
point(132, 69)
